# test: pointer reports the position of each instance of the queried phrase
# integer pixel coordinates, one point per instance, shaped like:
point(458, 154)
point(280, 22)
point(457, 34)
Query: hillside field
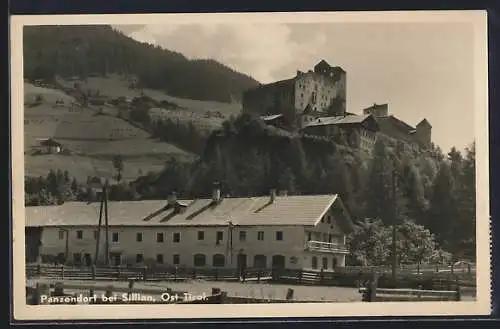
point(91, 139)
point(204, 114)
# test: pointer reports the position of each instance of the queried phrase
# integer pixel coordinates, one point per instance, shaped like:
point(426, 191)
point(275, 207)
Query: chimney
point(216, 193)
point(272, 196)
point(172, 199)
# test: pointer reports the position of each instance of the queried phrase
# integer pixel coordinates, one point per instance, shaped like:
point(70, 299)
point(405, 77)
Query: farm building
point(254, 232)
point(49, 145)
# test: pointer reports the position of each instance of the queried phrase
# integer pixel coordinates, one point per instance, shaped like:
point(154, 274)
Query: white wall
point(291, 246)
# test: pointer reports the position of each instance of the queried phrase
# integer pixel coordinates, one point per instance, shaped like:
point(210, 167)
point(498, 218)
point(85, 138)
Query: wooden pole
point(98, 238)
point(394, 219)
point(105, 193)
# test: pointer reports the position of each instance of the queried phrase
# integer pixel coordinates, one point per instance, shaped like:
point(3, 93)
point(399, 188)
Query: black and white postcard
point(288, 164)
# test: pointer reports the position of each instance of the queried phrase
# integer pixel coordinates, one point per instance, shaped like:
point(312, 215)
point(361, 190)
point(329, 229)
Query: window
point(201, 235)
point(328, 219)
point(260, 235)
point(160, 237)
point(79, 234)
point(114, 238)
point(279, 236)
point(159, 258)
point(199, 260)
point(260, 261)
point(61, 234)
point(219, 260)
point(219, 237)
point(325, 237)
point(330, 238)
point(177, 237)
point(243, 235)
point(176, 259)
point(139, 258)
point(138, 237)
point(325, 263)
point(309, 236)
point(314, 262)
point(334, 262)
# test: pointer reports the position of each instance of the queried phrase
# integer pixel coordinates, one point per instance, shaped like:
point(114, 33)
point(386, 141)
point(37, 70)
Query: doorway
point(87, 259)
point(241, 262)
point(278, 261)
point(115, 258)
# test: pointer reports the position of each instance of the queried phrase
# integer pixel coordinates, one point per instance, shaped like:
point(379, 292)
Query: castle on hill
point(314, 102)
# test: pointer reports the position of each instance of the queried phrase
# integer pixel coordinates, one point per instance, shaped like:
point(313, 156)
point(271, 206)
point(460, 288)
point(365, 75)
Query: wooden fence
point(347, 277)
point(373, 293)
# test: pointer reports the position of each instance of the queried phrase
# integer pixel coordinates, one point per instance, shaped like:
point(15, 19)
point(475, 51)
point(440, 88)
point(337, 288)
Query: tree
point(119, 167)
point(378, 192)
point(415, 244)
point(369, 242)
point(443, 207)
point(411, 188)
point(466, 219)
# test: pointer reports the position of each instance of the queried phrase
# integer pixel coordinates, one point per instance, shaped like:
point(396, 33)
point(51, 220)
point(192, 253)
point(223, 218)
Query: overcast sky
point(423, 70)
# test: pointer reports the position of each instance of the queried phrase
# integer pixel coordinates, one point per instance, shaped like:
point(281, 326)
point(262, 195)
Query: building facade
point(318, 92)
point(358, 131)
point(277, 231)
point(397, 130)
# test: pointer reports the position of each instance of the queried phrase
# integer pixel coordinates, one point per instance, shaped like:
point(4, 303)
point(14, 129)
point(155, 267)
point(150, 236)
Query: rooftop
point(284, 211)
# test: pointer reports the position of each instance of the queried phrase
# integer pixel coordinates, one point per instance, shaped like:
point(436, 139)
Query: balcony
point(326, 247)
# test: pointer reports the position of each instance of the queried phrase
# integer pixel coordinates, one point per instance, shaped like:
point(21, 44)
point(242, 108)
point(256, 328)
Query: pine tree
point(378, 192)
point(443, 207)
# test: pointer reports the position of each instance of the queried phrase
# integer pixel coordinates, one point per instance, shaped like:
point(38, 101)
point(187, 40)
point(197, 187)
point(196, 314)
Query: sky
point(422, 70)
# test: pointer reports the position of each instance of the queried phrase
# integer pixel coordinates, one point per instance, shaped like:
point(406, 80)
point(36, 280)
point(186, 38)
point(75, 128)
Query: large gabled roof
point(251, 211)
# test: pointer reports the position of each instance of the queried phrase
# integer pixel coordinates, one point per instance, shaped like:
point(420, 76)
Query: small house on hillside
point(50, 146)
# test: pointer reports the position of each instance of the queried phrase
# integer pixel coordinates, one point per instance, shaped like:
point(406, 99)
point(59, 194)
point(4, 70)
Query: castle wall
point(319, 91)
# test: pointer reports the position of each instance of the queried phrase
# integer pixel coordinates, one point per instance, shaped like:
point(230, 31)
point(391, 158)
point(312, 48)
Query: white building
point(256, 232)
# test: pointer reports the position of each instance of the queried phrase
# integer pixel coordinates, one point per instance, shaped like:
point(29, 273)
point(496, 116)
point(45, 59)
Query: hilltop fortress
point(314, 102)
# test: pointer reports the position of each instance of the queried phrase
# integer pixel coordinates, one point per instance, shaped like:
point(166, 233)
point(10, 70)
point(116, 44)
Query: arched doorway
point(260, 261)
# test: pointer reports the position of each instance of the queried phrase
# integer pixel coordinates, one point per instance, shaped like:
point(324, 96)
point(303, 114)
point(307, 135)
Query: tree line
point(88, 50)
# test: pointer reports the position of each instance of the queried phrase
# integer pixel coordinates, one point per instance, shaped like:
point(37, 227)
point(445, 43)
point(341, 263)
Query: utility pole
point(106, 222)
point(98, 237)
point(394, 224)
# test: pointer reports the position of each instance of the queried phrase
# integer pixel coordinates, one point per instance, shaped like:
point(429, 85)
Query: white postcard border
point(175, 311)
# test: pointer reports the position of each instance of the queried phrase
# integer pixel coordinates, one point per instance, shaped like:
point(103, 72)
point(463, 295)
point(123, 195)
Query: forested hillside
point(69, 51)
point(435, 192)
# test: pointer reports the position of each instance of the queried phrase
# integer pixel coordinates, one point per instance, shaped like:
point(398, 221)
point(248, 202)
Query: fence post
point(459, 293)
point(38, 269)
point(175, 273)
point(93, 272)
point(130, 287)
point(372, 287)
point(42, 290)
point(437, 267)
point(258, 275)
point(58, 289)
point(452, 270)
point(468, 268)
point(145, 273)
point(216, 274)
point(109, 291)
point(118, 272)
point(62, 272)
point(300, 276)
point(194, 273)
point(321, 276)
